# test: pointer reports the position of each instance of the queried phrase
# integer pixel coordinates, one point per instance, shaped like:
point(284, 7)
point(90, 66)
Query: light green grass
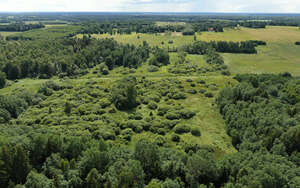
point(5, 34)
point(151, 39)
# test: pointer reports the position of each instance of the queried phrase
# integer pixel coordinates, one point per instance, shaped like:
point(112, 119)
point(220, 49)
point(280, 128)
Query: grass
point(5, 34)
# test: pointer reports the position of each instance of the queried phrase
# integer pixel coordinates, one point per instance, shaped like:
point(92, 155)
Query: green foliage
point(147, 154)
point(2, 80)
point(68, 108)
point(180, 129)
point(124, 94)
point(36, 180)
point(160, 58)
point(195, 132)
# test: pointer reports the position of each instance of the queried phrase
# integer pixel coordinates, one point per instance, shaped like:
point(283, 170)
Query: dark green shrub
point(178, 96)
point(192, 91)
point(104, 102)
point(162, 110)
point(136, 116)
point(189, 80)
point(127, 134)
point(202, 91)
point(186, 114)
point(152, 68)
point(152, 105)
point(202, 82)
point(161, 131)
point(173, 116)
point(209, 95)
point(175, 138)
point(193, 85)
point(180, 129)
point(68, 108)
point(195, 132)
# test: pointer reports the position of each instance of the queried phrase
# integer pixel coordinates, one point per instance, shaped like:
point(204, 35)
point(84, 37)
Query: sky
point(247, 6)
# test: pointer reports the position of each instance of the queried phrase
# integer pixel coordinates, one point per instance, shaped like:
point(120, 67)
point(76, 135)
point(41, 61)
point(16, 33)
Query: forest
point(82, 106)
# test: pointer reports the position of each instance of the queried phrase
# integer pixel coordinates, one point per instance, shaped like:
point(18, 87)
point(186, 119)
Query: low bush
point(195, 132)
point(152, 105)
point(209, 95)
point(152, 68)
point(175, 138)
point(173, 116)
point(181, 129)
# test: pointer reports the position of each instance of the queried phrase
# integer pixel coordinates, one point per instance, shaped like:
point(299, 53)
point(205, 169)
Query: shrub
point(127, 134)
point(160, 140)
point(152, 105)
point(209, 95)
point(104, 102)
point(153, 68)
point(193, 85)
point(68, 108)
point(175, 138)
point(162, 110)
point(136, 116)
point(195, 132)
point(173, 116)
point(192, 91)
point(189, 80)
point(186, 114)
point(161, 131)
point(178, 96)
point(226, 73)
point(180, 129)
point(202, 91)
point(297, 43)
point(202, 82)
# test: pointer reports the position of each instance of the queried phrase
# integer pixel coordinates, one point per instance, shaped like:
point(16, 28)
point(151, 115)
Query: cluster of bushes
point(297, 43)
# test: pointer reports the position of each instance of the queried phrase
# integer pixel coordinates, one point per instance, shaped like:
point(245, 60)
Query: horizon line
point(148, 12)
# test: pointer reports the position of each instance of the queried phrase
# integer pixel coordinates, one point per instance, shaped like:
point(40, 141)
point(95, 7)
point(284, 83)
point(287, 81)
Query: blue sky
point(263, 6)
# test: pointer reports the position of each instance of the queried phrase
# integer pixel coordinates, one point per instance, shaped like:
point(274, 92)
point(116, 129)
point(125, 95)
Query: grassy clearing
point(161, 40)
point(5, 34)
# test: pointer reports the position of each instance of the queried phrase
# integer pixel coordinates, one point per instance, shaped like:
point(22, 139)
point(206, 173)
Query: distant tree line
point(199, 47)
point(20, 26)
point(254, 24)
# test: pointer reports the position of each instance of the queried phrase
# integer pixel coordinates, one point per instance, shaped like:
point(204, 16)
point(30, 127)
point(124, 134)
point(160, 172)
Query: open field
point(4, 33)
point(280, 54)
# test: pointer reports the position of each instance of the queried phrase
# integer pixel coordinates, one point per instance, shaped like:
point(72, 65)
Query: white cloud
point(152, 5)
